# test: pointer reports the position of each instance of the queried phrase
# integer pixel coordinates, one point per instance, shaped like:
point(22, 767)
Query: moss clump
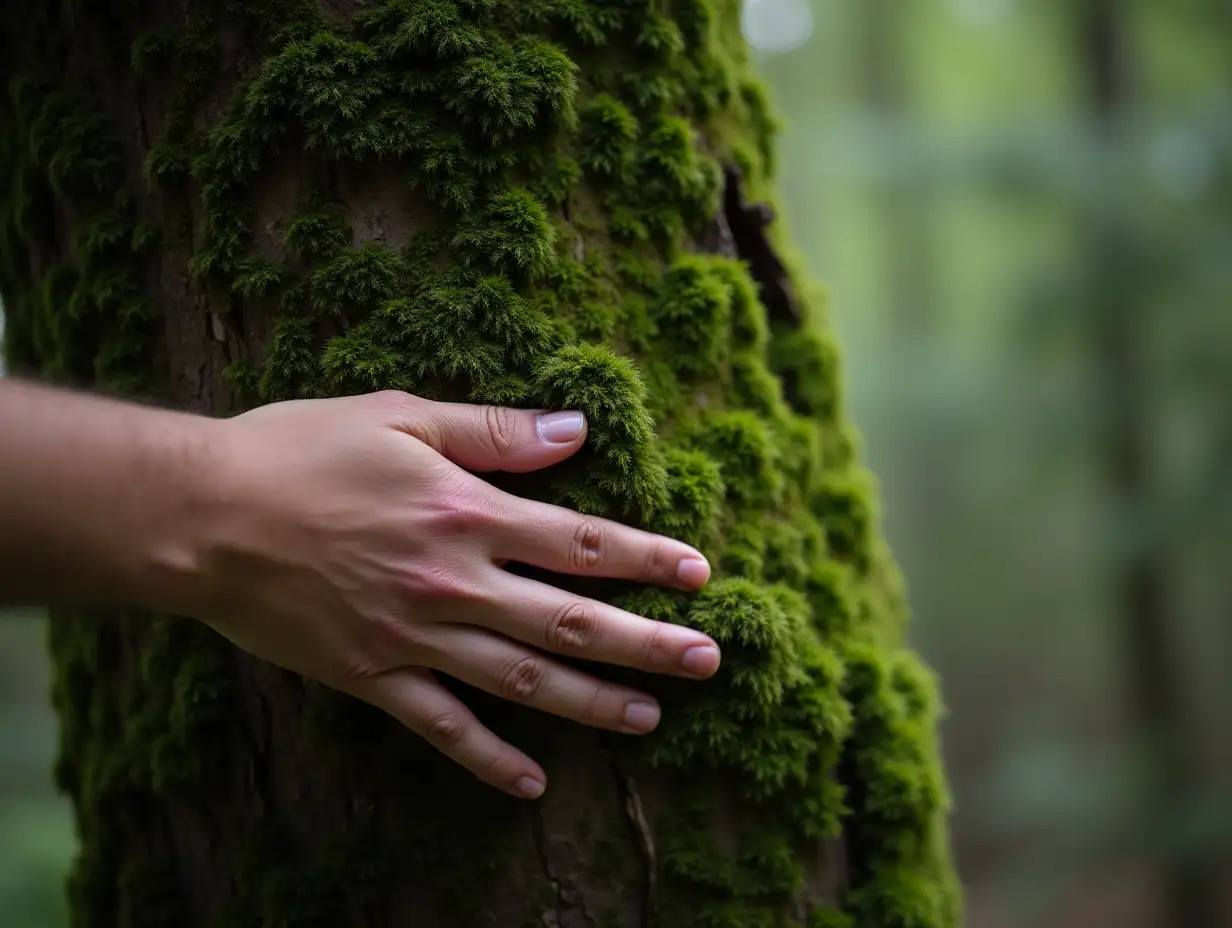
point(692, 318)
point(619, 470)
point(512, 235)
point(565, 159)
point(896, 836)
point(356, 281)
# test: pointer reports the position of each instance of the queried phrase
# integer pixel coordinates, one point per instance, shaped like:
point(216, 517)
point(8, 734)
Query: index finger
point(568, 542)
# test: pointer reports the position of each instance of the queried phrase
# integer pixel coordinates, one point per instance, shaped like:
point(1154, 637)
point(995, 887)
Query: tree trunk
point(552, 203)
point(1143, 580)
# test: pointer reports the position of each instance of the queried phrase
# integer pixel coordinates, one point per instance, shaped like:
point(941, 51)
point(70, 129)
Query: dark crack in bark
point(639, 829)
point(746, 225)
point(718, 239)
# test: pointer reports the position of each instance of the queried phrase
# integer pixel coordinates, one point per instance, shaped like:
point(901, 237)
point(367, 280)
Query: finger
point(416, 699)
point(488, 438)
point(545, 617)
point(568, 542)
point(520, 674)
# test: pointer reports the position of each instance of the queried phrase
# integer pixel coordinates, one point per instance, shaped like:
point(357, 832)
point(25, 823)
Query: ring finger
point(505, 668)
point(415, 698)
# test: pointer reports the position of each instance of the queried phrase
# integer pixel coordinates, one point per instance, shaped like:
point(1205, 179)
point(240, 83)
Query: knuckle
point(441, 581)
point(523, 679)
point(461, 513)
point(586, 549)
point(396, 634)
point(502, 425)
point(491, 768)
point(654, 652)
point(394, 403)
point(659, 561)
point(575, 626)
point(445, 730)
point(591, 712)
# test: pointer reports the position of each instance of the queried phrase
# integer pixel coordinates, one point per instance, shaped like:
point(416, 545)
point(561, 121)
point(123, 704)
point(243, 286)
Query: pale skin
point(347, 540)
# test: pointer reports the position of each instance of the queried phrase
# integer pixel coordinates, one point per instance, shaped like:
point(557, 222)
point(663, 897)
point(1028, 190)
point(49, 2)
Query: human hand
point(352, 547)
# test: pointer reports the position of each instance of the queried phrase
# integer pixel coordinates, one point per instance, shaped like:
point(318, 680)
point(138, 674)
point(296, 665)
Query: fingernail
point(701, 661)
point(641, 717)
point(693, 571)
point(530, 787)
point(560, 428)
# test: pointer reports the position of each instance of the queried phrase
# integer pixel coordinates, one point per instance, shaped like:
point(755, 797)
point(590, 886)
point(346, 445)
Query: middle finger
point(505, 668)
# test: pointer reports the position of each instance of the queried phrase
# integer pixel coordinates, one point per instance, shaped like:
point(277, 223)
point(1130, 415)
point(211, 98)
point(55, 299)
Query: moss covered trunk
point(542, 203)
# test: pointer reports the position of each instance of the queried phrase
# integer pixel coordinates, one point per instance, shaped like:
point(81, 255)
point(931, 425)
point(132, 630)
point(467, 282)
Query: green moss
point(610, 135)
point(513, 235)
point(844, 503)
point(620, 460)
point(903, 899)
point(511, 85)
point(692, 318)
point(898, 795)
point(695, 493)
point(807, 363)
point(357, 281)
point(319, 229)
point(290, 362)
point(746, 453)
point(830, 918)
point(257, 277)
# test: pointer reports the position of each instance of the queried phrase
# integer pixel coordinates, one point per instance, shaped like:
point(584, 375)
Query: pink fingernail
point(641, 717)
point(693, 571)
point(701, 661)
point(530, 787)
point(560, 428)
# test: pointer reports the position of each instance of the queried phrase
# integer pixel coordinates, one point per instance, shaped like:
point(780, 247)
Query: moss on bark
point(540, 204)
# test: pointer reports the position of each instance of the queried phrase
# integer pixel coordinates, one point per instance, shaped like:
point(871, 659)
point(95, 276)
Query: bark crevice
point(746, 225)
point(643, 837)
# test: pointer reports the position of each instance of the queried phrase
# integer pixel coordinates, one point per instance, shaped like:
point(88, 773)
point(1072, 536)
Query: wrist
point(176, 573)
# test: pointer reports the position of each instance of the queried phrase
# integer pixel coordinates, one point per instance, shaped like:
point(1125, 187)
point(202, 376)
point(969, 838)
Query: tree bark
point(221, 204)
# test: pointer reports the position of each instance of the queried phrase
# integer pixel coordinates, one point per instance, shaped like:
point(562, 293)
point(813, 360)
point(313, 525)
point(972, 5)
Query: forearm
point(100, 501)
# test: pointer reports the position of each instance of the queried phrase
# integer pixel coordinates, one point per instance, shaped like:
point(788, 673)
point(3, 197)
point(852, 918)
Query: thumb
point(487, 438)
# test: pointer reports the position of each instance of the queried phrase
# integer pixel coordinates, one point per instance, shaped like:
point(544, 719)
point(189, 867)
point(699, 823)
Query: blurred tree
point(1122, 271)
point(1010, 572)
point(584, 187)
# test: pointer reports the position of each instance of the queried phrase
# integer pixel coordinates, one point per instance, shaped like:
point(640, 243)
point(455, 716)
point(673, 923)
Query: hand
point(353, 548)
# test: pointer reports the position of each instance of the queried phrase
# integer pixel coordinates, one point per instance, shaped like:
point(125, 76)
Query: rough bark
point(220, 204)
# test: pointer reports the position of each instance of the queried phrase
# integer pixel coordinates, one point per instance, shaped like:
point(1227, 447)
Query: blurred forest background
point(1022, 210)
